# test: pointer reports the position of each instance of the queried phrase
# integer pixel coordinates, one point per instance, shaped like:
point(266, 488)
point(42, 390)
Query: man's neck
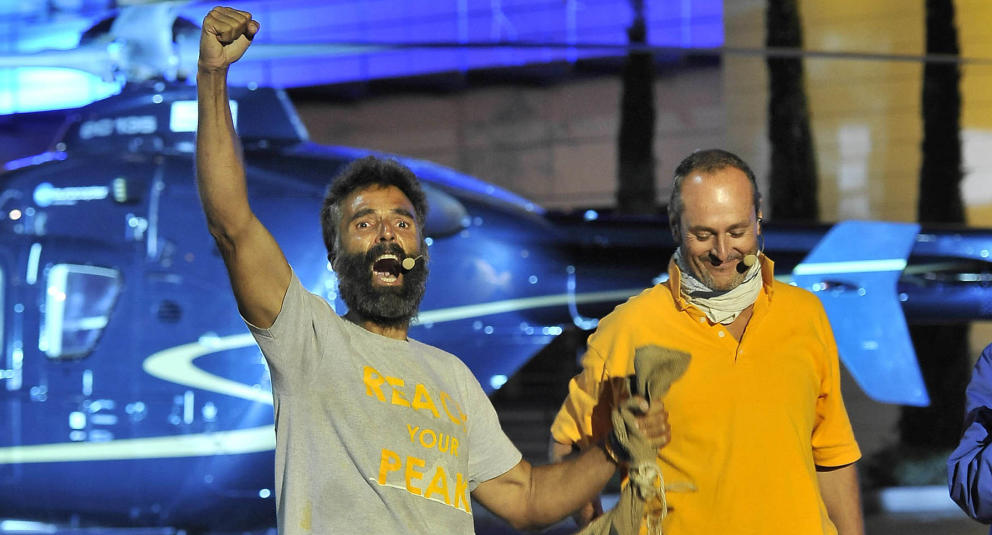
point(737, 327)
point(397, 332)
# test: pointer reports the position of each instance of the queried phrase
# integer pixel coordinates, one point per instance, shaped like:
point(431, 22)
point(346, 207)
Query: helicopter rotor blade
point(94, 58)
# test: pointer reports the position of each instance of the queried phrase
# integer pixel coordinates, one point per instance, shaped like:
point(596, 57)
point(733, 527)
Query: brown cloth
point(655, 369)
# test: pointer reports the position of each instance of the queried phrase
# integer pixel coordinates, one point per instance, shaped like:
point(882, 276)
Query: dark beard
point(385, 306)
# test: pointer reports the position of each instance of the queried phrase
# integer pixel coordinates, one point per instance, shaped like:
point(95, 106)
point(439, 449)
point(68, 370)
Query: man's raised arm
point(256, 266)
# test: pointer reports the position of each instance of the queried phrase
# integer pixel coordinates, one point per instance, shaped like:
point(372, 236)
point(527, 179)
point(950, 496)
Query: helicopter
point(134, 395)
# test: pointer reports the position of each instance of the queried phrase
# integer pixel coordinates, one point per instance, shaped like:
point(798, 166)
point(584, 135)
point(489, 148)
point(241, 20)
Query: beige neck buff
point(720, 307)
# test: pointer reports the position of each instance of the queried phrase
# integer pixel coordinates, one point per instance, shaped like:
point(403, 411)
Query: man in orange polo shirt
point(760, 438)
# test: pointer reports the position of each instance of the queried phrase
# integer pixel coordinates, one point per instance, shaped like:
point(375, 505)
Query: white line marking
point(175, 365)
point(858, 266)
point(252, 440)
point(523, 303)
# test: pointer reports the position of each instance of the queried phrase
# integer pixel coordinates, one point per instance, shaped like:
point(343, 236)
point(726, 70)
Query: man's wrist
point(208, 72)
point(614, 451)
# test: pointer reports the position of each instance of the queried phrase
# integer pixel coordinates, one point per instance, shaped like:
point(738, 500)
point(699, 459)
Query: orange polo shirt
point(750, 420)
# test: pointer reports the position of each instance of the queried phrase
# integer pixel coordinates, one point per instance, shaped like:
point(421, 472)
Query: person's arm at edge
point(258, 271)
point(969, 478)
point(842, 497)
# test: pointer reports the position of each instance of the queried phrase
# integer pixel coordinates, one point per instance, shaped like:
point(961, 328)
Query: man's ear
point(760, 220)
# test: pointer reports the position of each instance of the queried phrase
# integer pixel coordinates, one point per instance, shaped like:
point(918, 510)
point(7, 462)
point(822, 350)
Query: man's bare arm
point(558, 452)
point(256, 266)
point(841, 495)
point(530, 497)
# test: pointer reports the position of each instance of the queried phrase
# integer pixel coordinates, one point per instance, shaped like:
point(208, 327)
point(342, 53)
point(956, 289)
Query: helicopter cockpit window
point(78, 302)
point(183, 115)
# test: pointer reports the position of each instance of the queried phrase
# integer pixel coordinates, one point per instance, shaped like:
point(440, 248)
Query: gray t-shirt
point(373, 434)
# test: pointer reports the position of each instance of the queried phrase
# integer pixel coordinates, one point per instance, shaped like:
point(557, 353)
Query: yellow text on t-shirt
point(377, 385)
point(441, 487)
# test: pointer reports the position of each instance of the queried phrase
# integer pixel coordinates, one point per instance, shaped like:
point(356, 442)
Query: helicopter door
point(76, 348)
point(54, 311)
point(68, 322)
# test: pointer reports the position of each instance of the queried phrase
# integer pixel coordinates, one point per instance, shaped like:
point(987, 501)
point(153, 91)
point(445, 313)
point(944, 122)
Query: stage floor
point(936, 520)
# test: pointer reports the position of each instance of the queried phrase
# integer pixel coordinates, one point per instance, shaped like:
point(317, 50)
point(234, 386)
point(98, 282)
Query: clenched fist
point(652, 422)
point(225, 36)
point(639, 429)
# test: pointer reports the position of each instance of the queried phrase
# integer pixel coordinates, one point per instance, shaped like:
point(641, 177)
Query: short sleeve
point(492, 454)
point(290, 340)
point(833, 439)
point(573, 423)
point(584, 416)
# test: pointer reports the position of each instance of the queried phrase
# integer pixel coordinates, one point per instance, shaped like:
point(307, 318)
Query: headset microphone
point(752, 259)
point(746, 263)
point(410, 261)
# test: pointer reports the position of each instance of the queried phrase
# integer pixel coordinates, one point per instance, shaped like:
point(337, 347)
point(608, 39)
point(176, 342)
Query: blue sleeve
point(969, 468)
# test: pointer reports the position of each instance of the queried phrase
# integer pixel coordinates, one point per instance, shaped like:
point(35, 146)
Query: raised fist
point(225, 36)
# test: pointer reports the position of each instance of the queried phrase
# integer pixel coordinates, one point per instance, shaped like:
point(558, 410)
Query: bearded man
point(375, 432)
point(760, 439)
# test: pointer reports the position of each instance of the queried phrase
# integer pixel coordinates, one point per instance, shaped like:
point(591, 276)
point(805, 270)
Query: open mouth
point(386, 268)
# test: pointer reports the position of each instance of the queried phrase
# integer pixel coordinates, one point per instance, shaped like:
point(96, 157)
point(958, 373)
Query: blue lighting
point(497, 381)
point(33, 160)
point(917, 500)
point(38, 89)
point(590, 215)
point(472, 22)
point(357, 40)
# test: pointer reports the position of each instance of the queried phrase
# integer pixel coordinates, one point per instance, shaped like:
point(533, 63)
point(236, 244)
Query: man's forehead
point(377, 194)
point(728, 184)
point(721, 197)
point(726, 172)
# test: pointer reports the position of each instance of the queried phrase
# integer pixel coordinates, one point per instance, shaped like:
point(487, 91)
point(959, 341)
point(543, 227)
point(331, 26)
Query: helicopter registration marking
point(45, 194)
point(126, 126)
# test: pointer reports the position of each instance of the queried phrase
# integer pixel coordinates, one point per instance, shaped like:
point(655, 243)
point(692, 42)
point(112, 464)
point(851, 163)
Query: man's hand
point(639, 429)
point(652, 421)
point(226, 35)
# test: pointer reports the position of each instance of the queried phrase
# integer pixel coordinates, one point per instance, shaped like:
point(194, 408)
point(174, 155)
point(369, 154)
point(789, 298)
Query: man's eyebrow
point(366, 211)
point(704, 228)
point(360, 214)
point(403, 212)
